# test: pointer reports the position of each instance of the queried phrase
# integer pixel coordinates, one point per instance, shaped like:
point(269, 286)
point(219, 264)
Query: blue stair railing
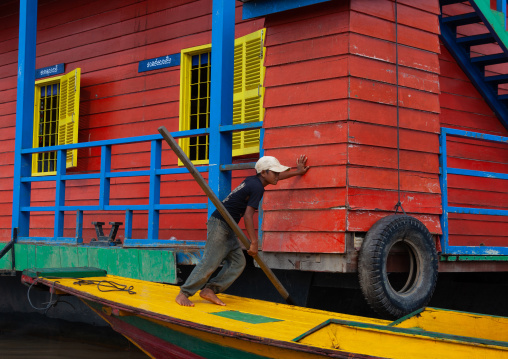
point(105, 174)
point(493, 22)
point(446, 248)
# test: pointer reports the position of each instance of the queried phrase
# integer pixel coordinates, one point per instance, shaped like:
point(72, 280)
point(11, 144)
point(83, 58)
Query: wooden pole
point(223, 211)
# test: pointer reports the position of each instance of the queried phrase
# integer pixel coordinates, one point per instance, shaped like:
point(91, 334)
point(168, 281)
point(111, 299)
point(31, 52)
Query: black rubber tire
point(378, 291)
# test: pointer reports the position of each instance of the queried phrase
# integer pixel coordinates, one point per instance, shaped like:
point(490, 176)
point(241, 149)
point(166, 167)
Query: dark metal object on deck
point(102, 240)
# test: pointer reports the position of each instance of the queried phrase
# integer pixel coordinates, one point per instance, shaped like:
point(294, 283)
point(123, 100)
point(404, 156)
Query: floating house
point(400, 106)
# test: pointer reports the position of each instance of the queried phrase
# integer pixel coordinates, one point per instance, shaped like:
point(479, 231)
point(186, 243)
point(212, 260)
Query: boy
point(222, 245)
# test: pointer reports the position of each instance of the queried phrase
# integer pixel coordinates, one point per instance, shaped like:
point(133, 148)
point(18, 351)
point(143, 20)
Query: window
point(248, 95)
point(55, 120)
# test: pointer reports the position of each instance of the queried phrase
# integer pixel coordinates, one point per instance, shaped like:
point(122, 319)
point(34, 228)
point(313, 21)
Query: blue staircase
point(493, 31)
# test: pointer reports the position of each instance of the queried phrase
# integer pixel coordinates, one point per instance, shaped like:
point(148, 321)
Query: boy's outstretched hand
point(301, 168)
point(301, 165)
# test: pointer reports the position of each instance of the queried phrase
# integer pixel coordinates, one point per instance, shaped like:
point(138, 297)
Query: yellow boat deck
point(303, 327)
point(281, 322)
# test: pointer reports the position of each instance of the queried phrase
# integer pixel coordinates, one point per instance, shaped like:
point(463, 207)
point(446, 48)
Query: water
point(28, 346)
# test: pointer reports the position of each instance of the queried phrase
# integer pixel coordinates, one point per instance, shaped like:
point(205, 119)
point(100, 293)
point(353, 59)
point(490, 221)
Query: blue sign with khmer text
point(159, 63)
point(50, 71)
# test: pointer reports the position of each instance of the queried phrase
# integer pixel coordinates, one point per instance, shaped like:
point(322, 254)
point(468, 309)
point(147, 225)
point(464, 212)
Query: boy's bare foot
point(209, 295)
point(183, 300)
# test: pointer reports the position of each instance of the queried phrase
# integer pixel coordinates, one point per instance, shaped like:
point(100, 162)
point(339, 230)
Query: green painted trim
point(473, 314)
point(191, 343)
point(410, 331)
point(246, 317)
point(154, 265)
point(406, 317)
point(5, 261)
point(310, 331)
point(495, 19)
point(76, 272)
point(473, 258)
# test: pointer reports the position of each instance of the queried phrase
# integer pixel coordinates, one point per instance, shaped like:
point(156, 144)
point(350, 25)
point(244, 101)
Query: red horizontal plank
point(316, 177)
point(478, 240)
point(132, 100)
point(451, 70)
point(8, 83)
point(406, 15)
point(477, 165)
point(362, 221)
point(311, 242)
point(372, 69)
point(387, 115)
point(333, 220)
point(327, 111)
point(478, 183)
point(303, 13)
point(367, 90)
point(458, 87)
point(133, 85)
point(472, 122)
point(366, 199)
point(8, 108)
point(387, 158)
point(336, 154)
point(479, 228)
point(477, 150)
point(464, 104)
point(474, 198)
point(8, 96)
point(324, 25)
point(313, 135)
point(320, 198)
point(7, 133)
point(86, 24)
point(306, 71)
point(115, 31)
point(385, 30)
point(76, 11)
point(377, 178)
point(334, 45)
point(383, 136)
point(316, 91)
point(101, 47)
point(476, 217)
point(382, 50)
point(129, 116)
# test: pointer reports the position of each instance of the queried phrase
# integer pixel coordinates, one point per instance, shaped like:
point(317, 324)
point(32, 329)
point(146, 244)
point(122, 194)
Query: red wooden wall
point(107, 39)
point(331, 94)
point(462, 107)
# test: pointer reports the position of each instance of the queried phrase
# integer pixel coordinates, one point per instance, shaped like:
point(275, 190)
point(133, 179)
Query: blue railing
point(445, 171)
point(104, 176)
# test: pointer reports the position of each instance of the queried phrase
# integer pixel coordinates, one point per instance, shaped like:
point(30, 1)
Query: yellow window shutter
point(69, 113)
point(248, 90)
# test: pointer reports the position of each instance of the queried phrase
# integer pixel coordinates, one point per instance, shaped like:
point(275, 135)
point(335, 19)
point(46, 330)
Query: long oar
point(223, 211)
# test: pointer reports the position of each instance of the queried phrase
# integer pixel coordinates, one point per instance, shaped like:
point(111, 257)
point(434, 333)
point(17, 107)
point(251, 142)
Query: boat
point(146, 313)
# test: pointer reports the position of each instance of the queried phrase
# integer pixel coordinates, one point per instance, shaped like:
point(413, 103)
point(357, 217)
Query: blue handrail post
point(24, 115)
point(128, 225)
point(60, 193)
point(221, 97)
point(79, 227)
point(104, 186)
point(501, 7)
point(443, 180)
point(155, 189)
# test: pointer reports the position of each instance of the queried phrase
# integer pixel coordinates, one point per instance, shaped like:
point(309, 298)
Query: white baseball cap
point(269, 163)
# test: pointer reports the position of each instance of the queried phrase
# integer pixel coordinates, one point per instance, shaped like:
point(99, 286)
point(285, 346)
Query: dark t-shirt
point(248, 193)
